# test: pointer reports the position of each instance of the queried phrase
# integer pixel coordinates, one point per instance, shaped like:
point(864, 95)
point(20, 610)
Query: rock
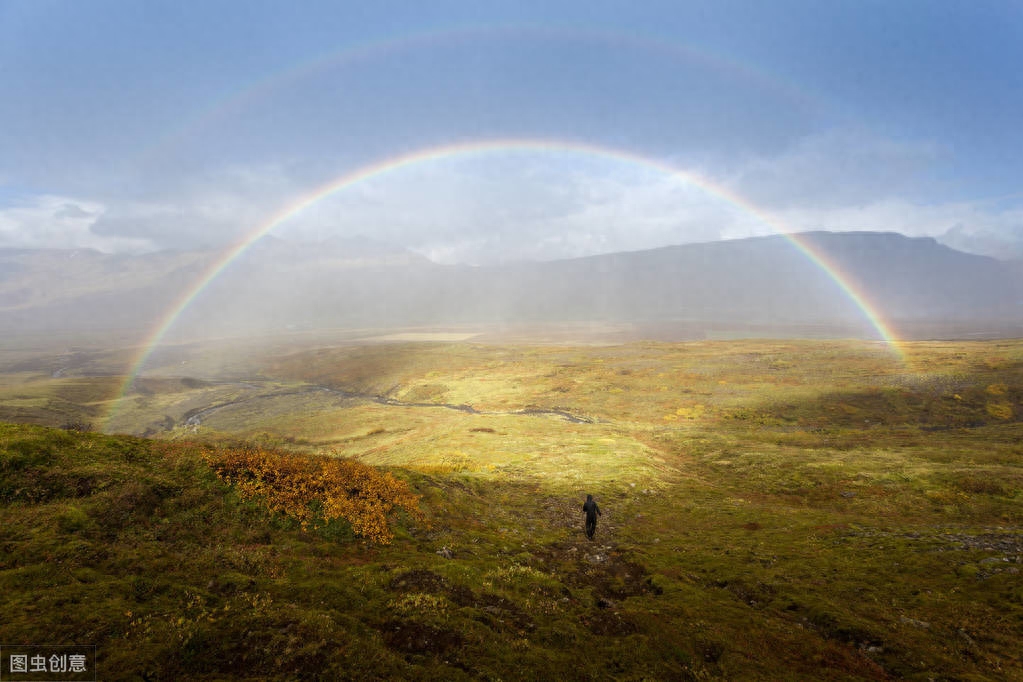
point(965, 637)
point(914, 622)
point(848, 494)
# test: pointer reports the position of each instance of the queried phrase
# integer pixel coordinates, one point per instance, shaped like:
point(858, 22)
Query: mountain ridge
point(762, 282)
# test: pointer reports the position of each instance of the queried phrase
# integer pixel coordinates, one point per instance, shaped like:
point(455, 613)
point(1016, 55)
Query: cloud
point(164, 225)
point(520, 206)
point(999, 236)
point(835, 168)
point(208, 211)
point(56, 222)
point(72, 211)
point(510, 206)
point(851, 180)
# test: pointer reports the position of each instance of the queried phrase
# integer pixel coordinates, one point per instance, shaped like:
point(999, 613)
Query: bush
point(317, 490)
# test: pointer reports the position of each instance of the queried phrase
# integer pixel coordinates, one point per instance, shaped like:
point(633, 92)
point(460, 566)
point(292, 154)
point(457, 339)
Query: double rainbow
point(737, 72)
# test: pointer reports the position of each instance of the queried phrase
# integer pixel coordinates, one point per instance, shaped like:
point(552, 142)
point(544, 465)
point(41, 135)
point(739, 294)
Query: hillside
point(749, 287)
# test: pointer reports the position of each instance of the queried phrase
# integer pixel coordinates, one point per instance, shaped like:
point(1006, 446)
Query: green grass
point(41, 399)
point(772, 510)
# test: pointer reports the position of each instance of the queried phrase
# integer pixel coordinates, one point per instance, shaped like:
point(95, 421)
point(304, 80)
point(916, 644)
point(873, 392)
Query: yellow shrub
point(291, 484)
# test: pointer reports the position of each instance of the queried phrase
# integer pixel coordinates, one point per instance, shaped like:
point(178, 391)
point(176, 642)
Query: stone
point(923, 625)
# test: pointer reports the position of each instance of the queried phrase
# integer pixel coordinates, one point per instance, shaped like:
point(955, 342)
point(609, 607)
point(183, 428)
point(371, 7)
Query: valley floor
point(771, 510)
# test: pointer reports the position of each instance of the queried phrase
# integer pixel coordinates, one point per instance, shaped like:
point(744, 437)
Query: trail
point(194, 417)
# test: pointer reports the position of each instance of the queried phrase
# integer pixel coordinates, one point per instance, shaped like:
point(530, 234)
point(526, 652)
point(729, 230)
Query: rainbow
point(241, 98)
point(395, 163)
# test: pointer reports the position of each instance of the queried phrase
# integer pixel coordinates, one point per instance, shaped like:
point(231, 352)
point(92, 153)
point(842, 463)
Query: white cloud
point(511, 206)
point(850, 180)
point(207, 212)
point(507, 206)
point(56, 222)
point(520, 206)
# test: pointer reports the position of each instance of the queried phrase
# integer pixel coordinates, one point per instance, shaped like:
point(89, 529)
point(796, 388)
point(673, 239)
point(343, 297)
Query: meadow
point(802, 509)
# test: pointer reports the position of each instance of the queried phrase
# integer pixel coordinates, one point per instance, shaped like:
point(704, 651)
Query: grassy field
point(771, 510)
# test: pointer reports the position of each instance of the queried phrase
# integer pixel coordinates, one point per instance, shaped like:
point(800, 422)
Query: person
point(591, 510)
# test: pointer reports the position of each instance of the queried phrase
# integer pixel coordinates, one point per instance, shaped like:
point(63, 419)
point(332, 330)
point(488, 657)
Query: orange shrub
point(314, 489)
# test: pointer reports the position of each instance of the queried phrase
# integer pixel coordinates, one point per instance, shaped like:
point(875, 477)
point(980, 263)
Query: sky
point(140, 126)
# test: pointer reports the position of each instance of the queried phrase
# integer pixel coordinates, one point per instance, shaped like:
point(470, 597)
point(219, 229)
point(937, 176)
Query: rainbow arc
point(850, 288)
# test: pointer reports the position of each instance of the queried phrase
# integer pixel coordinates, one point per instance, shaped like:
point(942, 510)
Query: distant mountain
point(55, 290)
point(917, 286)
point(758, 286)
point(338, 252)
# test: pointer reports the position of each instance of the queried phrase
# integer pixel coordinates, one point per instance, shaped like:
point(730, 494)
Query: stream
point(195, 417)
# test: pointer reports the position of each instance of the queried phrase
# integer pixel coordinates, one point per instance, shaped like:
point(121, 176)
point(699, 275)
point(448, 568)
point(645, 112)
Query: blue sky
point(129, 126)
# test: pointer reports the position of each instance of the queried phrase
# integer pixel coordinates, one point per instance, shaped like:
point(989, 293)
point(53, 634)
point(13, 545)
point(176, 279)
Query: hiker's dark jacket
point(591, 509)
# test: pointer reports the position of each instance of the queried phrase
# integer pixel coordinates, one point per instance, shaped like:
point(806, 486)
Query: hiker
point(591, 510)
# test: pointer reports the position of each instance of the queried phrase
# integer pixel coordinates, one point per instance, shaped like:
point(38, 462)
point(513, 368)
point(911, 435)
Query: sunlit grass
point(43, 399)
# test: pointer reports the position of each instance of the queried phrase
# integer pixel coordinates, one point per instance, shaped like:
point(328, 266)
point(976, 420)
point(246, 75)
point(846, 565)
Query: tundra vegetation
point(771, 509)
